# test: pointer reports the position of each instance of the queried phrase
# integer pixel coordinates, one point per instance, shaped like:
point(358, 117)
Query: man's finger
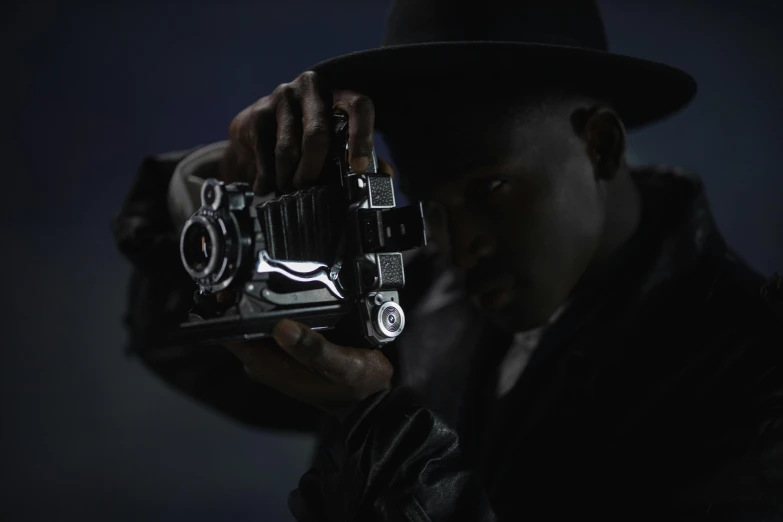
point(334, 362)
point(288, 148)
point(316, 135)
point(264, 151)
point(385, 167)
point(360, 369)
point(361, 124)
point(267, 363)
point(251, 136)
point(264, 360)
point(239, 160)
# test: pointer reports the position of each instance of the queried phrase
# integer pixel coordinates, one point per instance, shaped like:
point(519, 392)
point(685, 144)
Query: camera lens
point(198, 249)
point(209, 251)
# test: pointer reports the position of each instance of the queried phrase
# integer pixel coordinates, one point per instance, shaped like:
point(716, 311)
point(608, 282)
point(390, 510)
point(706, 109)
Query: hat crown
point(575, 23)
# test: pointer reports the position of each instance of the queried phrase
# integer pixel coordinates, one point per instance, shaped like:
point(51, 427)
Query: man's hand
point(304, 365)
point(281, 142)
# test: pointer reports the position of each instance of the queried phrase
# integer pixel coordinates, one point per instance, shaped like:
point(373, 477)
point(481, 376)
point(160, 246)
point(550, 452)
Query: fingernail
point(360, 163)
point(287, 332)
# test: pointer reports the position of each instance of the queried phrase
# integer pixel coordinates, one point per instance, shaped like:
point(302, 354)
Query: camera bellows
point(304, 225)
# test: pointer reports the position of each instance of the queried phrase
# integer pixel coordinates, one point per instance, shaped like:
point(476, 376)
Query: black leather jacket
point(657, 395)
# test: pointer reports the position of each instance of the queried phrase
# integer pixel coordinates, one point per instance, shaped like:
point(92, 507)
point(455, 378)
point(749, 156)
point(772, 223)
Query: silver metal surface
point(214, 185)
point(390, 319)
point(236, 230)
point(305, 296)
point(302, 271)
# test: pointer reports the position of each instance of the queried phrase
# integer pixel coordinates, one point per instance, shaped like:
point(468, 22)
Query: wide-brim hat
point(439, 45)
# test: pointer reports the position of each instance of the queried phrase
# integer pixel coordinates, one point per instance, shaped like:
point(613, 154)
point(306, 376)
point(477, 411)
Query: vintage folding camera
point(327, 254)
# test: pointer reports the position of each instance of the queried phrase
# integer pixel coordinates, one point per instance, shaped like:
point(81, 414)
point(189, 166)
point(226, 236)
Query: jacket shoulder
point(745, 320)
point(754, 299)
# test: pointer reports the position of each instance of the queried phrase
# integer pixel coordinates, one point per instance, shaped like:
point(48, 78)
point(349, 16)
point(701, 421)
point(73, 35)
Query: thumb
point(384, 167)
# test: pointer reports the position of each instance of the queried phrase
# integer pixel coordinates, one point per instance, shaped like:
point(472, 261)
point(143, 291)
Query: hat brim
point(641, 91)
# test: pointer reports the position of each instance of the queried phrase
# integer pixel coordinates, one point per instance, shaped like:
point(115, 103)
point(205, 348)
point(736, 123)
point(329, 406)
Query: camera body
point(327, 254)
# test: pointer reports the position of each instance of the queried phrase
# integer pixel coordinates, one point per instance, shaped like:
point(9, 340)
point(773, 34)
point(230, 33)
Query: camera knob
point(211, 193)
point(389, 319)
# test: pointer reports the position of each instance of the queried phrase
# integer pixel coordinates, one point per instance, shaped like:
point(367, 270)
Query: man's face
point(517, 209)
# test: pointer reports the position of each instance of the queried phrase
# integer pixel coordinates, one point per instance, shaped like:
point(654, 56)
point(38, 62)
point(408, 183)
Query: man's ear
point(604, 136)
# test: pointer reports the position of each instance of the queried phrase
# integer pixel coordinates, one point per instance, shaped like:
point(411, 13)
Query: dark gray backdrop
point(88, 90)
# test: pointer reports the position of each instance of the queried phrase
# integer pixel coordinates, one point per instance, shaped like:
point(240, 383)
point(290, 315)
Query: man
point(580, 340)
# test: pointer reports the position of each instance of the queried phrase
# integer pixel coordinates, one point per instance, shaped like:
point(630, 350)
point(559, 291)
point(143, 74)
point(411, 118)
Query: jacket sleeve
point(745, 479)
point(391, 460)
point(159, 297)
point(747, 486)
point(394, 460)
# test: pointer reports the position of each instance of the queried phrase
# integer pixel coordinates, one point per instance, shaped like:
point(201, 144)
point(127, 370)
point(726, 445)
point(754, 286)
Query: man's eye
point(496, 184)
